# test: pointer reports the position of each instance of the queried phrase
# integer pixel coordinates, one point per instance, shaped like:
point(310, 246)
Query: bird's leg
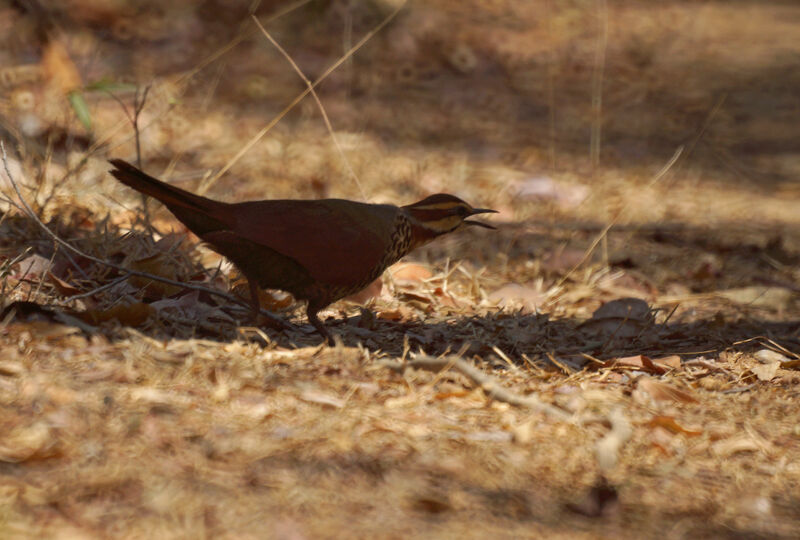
point(311, 313)
point(255, 304)
point(255, 301)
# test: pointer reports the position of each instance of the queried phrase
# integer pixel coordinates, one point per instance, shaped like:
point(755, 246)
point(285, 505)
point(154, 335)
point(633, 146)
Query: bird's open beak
point(481, 211)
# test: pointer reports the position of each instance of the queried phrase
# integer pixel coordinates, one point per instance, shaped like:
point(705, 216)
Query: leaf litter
point(540, 383)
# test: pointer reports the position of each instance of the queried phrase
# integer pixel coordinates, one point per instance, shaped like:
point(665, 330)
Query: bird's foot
point(270, 320)
point(316, 323)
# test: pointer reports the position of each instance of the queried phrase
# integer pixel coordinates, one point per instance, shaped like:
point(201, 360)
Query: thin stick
point(133, 118)
point(238, 39)
point(257, 137)
point(319, 104)
point(102, 142)
point(138, 104)
point(597, 86)
point(703, 128)
point(660, 174)
point(487, 383)
point(551, 85)
point(99, 289)
point(126, 271)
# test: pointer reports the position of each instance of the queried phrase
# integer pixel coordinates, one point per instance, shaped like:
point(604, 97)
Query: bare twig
point(126, 271)
point(597, 85)
point(238, 39)
point(99, 289)
point(551, 84)
point(659, 175)
point(319, 104)
point(138, 105)
point(257, 137)
point(487, 383)
point(102, 142)
point(139, 101)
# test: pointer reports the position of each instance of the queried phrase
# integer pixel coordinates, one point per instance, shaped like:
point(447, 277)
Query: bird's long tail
point(198, 213)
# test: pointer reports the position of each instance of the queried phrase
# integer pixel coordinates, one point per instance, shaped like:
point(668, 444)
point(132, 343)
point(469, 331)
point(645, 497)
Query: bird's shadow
point(564, 343)
point(504, 336)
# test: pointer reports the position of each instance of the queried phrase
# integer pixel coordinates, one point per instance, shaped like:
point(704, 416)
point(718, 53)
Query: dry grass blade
point(257, 137)
point(319, 104)
point(604, 233)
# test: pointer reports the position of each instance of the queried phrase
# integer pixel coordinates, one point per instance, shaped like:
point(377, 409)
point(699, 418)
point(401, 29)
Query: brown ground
point(140, 410)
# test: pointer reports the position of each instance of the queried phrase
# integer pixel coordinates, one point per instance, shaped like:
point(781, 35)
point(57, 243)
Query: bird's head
point(442, 213)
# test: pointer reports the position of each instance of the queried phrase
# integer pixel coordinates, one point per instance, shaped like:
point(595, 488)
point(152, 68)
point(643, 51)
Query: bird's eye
point(463, 211)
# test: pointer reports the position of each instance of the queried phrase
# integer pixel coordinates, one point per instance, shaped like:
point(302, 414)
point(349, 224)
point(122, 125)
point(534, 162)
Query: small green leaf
point(109, 85)
point(81, 108)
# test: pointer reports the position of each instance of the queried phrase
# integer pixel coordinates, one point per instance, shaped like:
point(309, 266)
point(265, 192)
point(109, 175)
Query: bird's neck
point(420, 235)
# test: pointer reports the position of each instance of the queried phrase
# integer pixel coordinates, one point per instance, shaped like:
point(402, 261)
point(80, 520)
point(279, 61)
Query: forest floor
point(621, 358)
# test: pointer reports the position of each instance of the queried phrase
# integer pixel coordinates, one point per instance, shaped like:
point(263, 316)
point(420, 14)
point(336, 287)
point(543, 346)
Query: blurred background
point(530, 106)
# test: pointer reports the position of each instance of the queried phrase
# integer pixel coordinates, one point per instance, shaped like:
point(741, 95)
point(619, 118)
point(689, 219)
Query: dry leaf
point(63, 288)
point(672, 362)
point(32, 267)
point(766, 372)
point(410, 272)
point(402, 313)
point(768, 356)
point(661, 391)
point(446, 299)
point(668, 423)
point(129, 314)
point(638, 362)
point(373, 290)
point(269, 299)
point(158, 265)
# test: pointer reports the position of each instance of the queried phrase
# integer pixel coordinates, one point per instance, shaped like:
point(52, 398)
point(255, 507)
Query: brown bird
point(318, 250)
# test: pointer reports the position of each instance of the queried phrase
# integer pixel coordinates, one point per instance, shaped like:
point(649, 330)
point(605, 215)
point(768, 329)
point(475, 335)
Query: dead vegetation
point(620, 359)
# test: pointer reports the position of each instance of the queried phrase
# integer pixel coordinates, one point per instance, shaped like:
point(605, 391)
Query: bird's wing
point(339, 242)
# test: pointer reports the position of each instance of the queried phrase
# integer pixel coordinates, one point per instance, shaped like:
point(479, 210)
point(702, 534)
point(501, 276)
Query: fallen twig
point(126, 271)
point(488, 384)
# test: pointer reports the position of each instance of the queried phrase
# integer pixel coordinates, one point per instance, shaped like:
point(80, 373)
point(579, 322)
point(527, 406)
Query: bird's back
point(339, 243)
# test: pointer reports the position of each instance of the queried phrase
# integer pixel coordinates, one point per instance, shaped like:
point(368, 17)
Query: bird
point(318, 250)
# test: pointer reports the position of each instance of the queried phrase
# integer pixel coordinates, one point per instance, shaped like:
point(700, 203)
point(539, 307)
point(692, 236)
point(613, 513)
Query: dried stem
point(319, 104)
point(126, 271)
point(257, 137)
point(487, 383)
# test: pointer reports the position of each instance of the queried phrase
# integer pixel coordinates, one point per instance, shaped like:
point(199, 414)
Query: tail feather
point(198, 213)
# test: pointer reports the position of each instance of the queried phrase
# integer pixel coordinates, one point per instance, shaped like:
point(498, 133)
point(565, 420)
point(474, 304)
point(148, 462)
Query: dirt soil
point(619, 359)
